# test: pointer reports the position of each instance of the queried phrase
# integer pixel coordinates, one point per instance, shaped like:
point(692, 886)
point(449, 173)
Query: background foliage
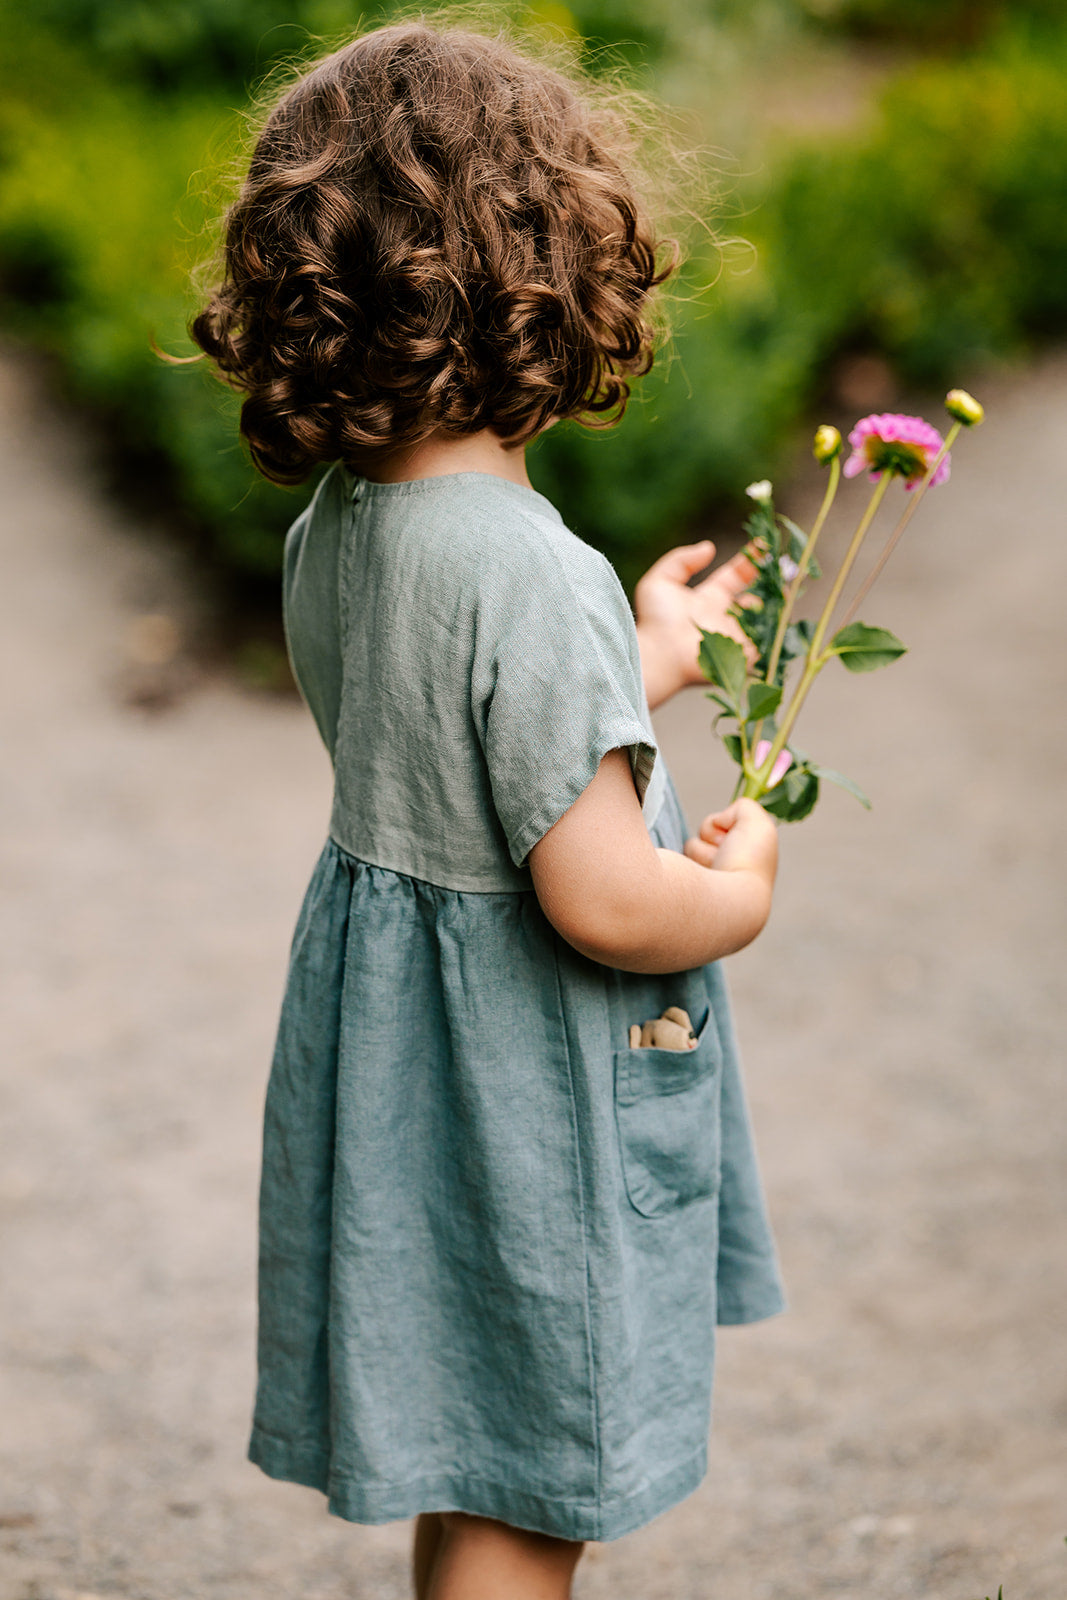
point(933, 232)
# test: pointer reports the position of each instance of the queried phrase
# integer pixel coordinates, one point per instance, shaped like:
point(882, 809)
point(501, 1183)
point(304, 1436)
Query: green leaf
point(760, 627)
point(732, 746)
point(726, 709)
point(762, 524)
point(793, 798)
point(863, 648)
point(798, 636)
point(840, 779)
point(719, 701)
point(763, 698)
point(722, 661)
point(797, 538)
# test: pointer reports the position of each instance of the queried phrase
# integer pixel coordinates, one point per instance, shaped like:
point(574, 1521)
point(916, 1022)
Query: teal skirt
point(494, 1239)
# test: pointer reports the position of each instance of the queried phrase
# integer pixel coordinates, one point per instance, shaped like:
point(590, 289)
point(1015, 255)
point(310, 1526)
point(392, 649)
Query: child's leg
point(478, 1559)
point(429, 1530)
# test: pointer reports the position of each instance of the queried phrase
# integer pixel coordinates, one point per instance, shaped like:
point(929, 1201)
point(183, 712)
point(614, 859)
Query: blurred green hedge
point(939, 22)
point(937, 235)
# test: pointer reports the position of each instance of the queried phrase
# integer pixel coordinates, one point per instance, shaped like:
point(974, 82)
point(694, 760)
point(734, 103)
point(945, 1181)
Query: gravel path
point(899, 1433)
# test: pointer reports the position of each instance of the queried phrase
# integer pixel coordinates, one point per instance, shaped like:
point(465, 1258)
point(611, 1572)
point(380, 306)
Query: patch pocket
point(667, 1111)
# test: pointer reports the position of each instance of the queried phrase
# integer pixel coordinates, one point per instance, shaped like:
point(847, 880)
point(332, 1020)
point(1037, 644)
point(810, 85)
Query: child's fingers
point(740, 570)
point(712, 831)
point(679, 564)
point(737, 811)
point(714, 828)
point(700, 851)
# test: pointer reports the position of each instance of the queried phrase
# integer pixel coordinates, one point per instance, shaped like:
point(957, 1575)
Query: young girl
point(495, 1236)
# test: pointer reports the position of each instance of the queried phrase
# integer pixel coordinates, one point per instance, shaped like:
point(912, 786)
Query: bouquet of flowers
point(751, 688)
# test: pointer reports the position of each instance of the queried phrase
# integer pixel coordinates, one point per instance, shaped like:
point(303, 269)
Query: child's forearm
point(686, 915)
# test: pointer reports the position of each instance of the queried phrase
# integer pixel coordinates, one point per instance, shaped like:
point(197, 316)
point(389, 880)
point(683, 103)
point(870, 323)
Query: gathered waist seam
point(468, 886)
point(419, 878)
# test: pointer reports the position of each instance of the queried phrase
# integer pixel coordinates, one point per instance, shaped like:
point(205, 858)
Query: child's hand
point(670, 614)
point(743, 838)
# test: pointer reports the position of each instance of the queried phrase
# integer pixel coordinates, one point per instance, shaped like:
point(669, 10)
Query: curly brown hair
point(436, 232)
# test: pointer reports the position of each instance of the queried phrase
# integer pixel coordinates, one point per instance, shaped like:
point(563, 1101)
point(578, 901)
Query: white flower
point(760, 491)
point(788, 568)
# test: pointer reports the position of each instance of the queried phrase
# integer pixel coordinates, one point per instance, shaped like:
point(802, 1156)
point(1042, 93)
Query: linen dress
point(494, 1239)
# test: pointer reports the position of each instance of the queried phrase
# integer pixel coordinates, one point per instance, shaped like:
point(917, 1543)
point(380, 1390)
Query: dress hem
point(380, 1503)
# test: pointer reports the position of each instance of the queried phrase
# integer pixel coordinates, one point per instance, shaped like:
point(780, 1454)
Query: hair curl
point(436, 232)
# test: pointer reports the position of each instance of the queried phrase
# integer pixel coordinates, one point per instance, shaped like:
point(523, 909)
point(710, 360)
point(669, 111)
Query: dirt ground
point(899, 1432)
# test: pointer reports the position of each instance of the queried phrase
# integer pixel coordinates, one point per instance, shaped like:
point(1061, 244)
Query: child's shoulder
point(515, 531)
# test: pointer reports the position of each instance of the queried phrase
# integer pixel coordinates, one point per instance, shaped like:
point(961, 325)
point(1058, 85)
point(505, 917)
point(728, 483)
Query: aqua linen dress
point(494, 1239)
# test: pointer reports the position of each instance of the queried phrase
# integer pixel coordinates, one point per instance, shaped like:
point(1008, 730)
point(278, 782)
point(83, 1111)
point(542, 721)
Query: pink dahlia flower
point(903, 446)
point(781, 766)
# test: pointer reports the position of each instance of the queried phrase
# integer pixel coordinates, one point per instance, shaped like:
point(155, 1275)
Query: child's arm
point(618, 899)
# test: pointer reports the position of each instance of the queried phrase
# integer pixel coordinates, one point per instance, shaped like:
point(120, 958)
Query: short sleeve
point(310, 603)
point(557, 683)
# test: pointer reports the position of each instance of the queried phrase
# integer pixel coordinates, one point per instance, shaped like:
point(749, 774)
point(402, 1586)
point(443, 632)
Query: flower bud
point(782, 764)
point(963, 407)
point(760, 491)
point(827, 444)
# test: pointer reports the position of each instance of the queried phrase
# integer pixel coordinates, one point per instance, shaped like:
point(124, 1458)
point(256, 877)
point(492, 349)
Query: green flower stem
point(814, 661)
point(794, 588)
point(746, 753)
point(802, 566)
point(906, 516)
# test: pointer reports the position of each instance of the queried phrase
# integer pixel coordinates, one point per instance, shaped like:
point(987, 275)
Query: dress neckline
point(368, 489)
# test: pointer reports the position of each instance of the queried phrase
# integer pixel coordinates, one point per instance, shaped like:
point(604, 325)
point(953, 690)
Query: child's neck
point(442, 454)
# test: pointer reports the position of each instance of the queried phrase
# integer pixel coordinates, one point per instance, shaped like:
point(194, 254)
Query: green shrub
point(940, 236)
point(209, 43)
point(101, 219)
point(938, 22)
point(232, 43)
point(937, 236)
